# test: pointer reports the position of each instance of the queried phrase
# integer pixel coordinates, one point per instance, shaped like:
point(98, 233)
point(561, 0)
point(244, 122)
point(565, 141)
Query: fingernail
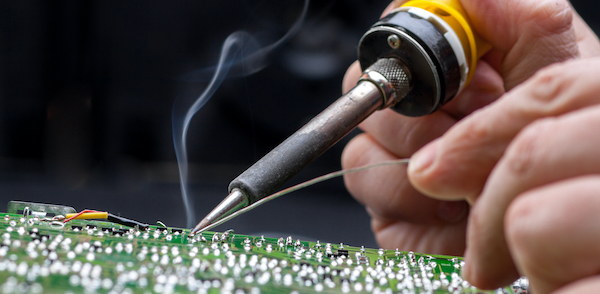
point(423, 158)
point(452, 211)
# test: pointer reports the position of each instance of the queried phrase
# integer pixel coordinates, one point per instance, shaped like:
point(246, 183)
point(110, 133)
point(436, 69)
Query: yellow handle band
point(452, 12)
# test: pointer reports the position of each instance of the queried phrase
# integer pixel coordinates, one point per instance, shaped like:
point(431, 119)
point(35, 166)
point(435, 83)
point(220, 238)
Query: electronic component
point(41, 255)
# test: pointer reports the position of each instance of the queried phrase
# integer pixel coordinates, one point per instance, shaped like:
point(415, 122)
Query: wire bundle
point(104, 215)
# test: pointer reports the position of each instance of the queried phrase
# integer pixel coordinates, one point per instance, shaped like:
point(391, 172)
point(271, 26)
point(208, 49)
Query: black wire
point(126, 222)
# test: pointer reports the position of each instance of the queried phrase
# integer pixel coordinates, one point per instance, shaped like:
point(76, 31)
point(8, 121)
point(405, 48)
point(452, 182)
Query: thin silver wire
point(304, 185)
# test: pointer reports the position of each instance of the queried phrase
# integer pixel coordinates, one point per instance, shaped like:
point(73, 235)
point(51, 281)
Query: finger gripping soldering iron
point(414, 60)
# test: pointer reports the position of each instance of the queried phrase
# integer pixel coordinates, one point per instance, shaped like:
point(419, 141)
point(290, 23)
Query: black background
point(87, 89)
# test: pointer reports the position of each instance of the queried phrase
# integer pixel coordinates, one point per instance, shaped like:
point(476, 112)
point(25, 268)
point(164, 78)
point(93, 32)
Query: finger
point(387, 193)
point(446, 239)
point(403, 135)
point(531, 34)
point(458, 164)
point(554, 236)
point(549, 150)
point(391, 7)
point(485, 88)
point(402, 218)
point(589, 285)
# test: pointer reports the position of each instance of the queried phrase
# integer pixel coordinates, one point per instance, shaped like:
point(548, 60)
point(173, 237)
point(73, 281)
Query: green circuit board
point(42, 255)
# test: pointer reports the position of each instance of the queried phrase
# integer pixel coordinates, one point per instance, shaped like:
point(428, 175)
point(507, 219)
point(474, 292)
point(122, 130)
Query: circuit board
point(39, 254)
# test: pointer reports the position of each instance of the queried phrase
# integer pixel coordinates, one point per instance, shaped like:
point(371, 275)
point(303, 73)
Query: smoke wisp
point(253, 59)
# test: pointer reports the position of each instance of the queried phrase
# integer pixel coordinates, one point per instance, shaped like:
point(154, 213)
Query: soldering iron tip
point(201, 226)
point(235, 201)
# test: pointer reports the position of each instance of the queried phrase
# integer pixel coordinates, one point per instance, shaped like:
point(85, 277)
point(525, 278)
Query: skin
point(506, 173)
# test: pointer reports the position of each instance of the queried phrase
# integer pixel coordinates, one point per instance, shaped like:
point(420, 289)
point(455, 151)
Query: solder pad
point(42, 256)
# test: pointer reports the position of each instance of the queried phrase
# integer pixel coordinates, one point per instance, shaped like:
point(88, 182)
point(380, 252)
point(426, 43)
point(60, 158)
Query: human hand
point(535, 208)
point(526, 35)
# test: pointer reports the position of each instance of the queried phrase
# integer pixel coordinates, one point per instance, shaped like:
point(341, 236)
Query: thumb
point(530, 34)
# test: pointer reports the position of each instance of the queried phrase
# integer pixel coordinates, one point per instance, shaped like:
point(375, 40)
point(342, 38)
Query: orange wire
point(80, 213)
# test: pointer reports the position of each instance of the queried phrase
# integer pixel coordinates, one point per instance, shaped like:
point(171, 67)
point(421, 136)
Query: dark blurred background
point(87, 89)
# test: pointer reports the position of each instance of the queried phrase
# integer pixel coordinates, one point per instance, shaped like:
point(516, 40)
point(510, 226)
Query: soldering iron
point(414, 60)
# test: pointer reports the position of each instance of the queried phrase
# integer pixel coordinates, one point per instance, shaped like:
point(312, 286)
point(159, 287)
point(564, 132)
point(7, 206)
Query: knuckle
point(527, 230)
point(547, 32)
point(550, 16)
point(551, 82)
point(524, 152)
point(547, 83)
point(476, 130)
point(559, 88)
point(519, 235)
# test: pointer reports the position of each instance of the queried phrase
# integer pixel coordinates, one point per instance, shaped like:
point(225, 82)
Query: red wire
point(78, 214)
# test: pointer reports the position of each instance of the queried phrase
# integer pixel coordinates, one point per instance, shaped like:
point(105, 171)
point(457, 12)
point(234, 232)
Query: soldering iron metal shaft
point(417, 58)
point(382, 84)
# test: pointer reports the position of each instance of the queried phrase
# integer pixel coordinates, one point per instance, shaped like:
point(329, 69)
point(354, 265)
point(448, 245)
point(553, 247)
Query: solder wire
point(304, 185)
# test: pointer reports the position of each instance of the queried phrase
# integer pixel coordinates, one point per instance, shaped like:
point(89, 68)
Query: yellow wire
point(89, 215)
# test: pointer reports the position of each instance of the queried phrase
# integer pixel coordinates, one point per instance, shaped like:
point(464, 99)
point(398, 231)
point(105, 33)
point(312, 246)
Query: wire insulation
point(71, 216)
point(93, 214)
